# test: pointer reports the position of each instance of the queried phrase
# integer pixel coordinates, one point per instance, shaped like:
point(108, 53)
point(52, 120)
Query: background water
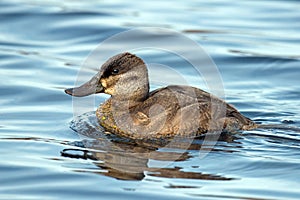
point(255, 45)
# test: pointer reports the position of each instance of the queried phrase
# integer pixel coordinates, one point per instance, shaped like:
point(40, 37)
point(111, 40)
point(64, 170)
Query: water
point(255, 45)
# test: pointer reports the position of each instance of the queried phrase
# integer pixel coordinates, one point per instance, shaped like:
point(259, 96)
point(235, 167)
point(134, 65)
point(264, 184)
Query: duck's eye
point(115, 71)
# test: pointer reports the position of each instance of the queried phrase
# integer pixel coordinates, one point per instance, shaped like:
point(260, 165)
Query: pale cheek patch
point(109, 85)
point(110, 91)
point(103, 83)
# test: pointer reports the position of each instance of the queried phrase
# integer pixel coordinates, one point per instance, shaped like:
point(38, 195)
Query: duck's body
point(166, 112)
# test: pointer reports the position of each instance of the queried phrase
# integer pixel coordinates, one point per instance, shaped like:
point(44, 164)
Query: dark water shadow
point(130, 162)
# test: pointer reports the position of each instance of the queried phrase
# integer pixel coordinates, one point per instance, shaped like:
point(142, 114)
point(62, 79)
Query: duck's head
point(123, 76)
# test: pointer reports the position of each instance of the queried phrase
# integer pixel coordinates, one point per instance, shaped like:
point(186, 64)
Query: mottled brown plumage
point(163, 113)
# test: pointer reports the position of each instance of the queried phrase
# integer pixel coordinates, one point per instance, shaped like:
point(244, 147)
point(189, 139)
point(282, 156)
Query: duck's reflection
point(131, 160)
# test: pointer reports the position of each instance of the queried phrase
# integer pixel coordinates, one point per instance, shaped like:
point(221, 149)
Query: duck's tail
point(279, 127)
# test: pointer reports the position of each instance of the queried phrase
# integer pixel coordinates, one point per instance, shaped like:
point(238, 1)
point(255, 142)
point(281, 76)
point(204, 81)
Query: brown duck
point(132, 111)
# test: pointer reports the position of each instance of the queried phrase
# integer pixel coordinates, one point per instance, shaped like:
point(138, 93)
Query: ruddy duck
point(132, 111)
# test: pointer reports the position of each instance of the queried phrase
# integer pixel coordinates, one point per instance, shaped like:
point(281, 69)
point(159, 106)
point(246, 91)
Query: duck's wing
point(233, 112)
point(186, 96)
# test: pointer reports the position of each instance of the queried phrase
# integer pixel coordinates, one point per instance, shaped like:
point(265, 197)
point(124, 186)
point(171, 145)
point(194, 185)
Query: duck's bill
point(91, 87)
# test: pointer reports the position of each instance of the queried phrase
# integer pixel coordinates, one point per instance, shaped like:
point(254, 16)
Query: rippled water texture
point(255, 45)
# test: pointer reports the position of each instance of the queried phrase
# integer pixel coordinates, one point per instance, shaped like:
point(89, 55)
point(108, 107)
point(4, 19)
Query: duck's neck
point(125, 102)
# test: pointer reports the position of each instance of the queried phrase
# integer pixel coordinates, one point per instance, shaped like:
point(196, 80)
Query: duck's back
point(185, 110)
